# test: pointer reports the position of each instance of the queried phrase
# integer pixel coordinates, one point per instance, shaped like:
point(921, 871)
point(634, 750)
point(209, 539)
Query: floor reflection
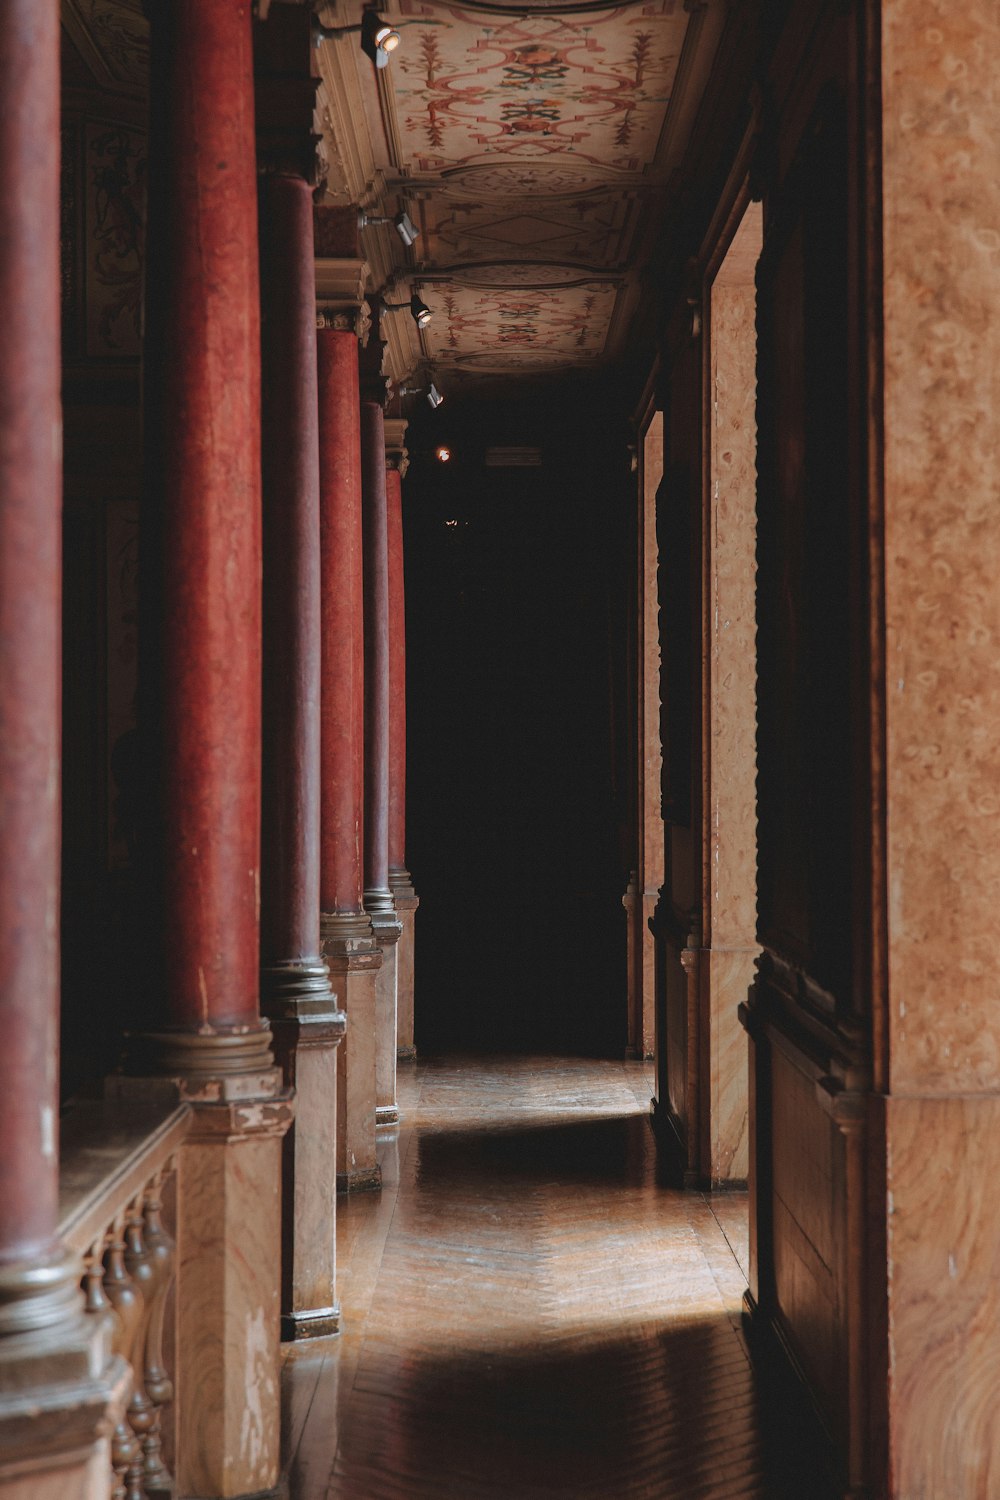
point(529, 1310)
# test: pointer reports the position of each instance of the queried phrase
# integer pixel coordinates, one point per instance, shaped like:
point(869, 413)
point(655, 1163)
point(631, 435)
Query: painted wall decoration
point(122, 626)
point(69, 235)
point(115, 187)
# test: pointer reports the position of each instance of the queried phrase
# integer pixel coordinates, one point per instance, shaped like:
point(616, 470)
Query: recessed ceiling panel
point(588, 90)
point(564, 325)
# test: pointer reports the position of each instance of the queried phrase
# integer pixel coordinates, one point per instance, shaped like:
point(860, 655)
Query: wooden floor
point(528, 1312)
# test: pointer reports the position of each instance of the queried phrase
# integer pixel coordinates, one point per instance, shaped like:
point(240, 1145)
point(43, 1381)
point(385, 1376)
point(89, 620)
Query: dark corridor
point(518, 798)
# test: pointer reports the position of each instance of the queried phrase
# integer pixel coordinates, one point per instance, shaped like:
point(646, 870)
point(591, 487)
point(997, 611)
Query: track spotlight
point(433, 395)
point(378, 39)
point(403, 224)
point(418, 310)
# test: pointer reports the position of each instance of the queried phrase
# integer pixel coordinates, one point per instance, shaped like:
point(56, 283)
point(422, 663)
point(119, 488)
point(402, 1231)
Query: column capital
point(341, 303)
point(346, 317)
point(396, 456)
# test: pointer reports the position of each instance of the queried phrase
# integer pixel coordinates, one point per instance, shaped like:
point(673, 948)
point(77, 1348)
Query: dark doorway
point(517, 589)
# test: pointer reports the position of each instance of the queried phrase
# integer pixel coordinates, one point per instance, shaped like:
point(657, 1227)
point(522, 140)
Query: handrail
point(118, 1163)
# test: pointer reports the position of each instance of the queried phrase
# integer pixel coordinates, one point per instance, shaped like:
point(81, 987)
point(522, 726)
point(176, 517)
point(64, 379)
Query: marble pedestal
point(406, 901)
point(388, 930)
point(227, 1398)
point(61, 1393)
point(355, 961)
point(307, 1048)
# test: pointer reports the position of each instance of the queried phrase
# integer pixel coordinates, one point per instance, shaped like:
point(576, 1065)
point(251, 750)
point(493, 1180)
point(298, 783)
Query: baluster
point(119, 1291)
point(159, 1387)
point(97, 1305)
point(141, 1412)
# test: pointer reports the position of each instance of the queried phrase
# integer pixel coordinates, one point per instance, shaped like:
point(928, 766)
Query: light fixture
point(404, 225)
point(443, 455)
point(418, 310)
point(378, 38)
point(432, 393)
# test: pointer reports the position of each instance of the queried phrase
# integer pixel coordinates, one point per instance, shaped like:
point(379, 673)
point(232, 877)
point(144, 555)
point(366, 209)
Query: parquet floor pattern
point(529, 1312)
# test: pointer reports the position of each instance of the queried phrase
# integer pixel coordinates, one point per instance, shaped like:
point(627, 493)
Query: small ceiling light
point(377, 38)
point(443, 455)
point(432, 393)
point(418, 310)
point(403, 224)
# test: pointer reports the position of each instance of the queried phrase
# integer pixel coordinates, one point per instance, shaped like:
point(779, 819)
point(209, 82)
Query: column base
point(386, 1114)
point(369, 1181)
point(228, 1260)
point(317, 1323)
point(406, 1054)
point(355, 959)
point(62, 1391)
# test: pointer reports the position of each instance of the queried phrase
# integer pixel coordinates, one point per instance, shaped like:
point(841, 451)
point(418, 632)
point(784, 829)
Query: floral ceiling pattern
point(528, 155)
point(531, 146)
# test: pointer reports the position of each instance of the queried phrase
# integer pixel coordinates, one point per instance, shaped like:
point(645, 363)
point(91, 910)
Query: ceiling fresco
point(531, 145)
point(585, 90)
point(527, 148)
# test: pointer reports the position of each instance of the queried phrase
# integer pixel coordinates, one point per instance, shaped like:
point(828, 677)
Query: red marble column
point(201, 530)
point(290, 847)
point(295, 981)
point(30, 598)
point(342, 707)
point(348, 940)
point(378, 893)
point(397, 674)
point(403, 894)
point(378, 896)
point(200, 728)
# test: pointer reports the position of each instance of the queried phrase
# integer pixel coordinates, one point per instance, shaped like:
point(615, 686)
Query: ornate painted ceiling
point(532, 146)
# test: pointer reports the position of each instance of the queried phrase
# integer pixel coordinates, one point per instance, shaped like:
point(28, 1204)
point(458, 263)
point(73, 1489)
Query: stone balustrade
point(118, 1210)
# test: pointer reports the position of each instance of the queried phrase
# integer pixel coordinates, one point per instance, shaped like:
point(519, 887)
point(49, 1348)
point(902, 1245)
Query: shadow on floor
point(674, 1413)
point(541, 1319)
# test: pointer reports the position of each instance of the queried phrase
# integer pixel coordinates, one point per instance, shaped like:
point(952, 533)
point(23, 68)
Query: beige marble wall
point(729, 830)
point(944, 1279)
point(651, 852)
point(942, 474)
point(941, 201)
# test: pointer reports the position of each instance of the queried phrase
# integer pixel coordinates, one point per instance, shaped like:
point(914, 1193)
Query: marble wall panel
point(727, 975)
point(941, 194)
point(944, 1296)
point(652, 842)
point(731, 817)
